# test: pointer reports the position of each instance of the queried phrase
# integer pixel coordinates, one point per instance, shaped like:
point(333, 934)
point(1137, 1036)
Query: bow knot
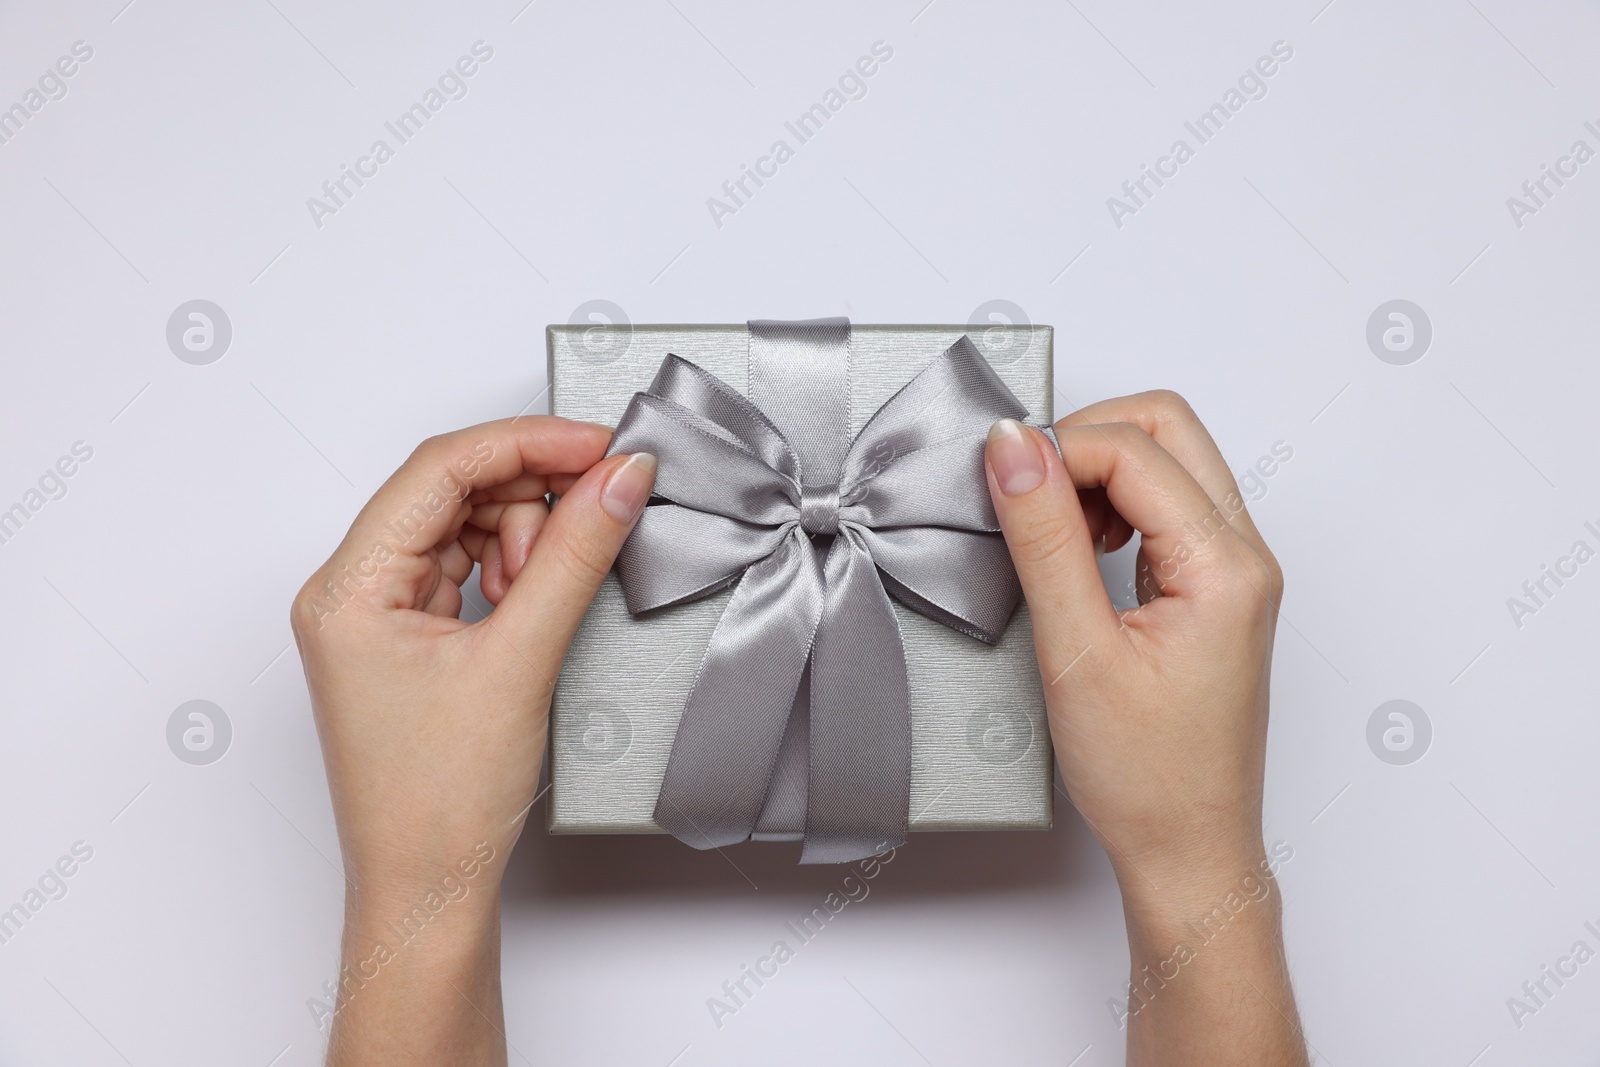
point(819, 509)
point(799, 720)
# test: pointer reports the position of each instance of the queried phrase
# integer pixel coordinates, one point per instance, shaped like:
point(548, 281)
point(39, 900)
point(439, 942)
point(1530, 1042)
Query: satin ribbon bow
point(799, 721)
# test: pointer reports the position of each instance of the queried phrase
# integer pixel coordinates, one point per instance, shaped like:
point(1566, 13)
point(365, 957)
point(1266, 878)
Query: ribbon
point(799, 721)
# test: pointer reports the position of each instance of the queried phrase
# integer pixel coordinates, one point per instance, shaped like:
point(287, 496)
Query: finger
point(1107, 529)
point(519, 528)
point(473, 540)
point(445, 599)
point(421, 502)
point(491, 578)
point(527, 487)
point(1051, 545)
point(1168, 418)
point(571, 556)
point(515, 526)
point(455, 567)
point(455, 562)
point(490, 516)
point(523, 487)
point(1144, 578)
point(1188, 544)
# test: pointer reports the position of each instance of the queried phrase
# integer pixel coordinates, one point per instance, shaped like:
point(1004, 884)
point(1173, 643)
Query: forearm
point(417, 990)
point(1209, 984)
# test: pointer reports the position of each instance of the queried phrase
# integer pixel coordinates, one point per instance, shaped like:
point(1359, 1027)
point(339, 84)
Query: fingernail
point(628, 487)
point(1016, 462)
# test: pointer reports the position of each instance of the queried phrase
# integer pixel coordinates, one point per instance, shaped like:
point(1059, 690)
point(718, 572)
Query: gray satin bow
point(799, 721)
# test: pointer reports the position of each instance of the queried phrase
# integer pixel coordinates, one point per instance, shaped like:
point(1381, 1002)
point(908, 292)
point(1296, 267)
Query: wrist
point(405, 919)
point(1233, 886)
point(1207, 977)
point(394, 928)
point(420, 910)
point(417, 984)
point(1162, 861)
point(435, 879)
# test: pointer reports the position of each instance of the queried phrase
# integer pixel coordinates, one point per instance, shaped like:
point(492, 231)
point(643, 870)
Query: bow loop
point(691, 446)
point(695, 389)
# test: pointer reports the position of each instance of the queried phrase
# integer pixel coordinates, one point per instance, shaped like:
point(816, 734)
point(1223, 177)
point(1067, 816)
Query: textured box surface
point(980, 756)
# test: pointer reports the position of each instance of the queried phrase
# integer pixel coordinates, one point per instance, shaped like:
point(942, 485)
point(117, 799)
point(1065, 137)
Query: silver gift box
point(980, 751)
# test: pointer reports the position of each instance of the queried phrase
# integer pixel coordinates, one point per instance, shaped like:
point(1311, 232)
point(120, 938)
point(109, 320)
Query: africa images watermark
point(451, 888)
point(51, 885)
point(452, 85)
point(1252, 85)
point(1536, 992)
point(1253, 487)
point(1537, 192)
point(51, 85)
point(51, 485)
point(1254, 887)
point(853, 889)
point(1562, 571)
point(852, 85)
point(452, 488)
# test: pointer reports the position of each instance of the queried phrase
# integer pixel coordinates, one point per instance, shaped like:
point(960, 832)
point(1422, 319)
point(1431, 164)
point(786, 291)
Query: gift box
point(980, 756)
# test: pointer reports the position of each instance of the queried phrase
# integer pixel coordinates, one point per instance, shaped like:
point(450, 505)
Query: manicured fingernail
point(628, 487)
point(1016, 462)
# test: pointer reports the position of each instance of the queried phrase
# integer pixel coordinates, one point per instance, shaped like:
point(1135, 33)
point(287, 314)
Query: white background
point(1418, 499)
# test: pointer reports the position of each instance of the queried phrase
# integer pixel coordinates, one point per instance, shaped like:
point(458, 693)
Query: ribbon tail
point(724, 752)
point(783, 816)
point(860, 783)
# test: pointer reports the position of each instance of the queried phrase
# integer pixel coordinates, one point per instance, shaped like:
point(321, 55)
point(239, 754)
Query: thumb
point(1044, 526)
point(571, 556)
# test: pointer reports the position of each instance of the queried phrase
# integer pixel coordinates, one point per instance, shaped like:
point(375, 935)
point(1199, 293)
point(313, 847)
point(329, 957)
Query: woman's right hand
point(1159, 713)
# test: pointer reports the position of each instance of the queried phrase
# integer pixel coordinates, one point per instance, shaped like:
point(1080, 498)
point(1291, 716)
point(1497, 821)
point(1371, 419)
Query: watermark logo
point(50, 886)
point(51, 86)
point(1399, 332)
point(739, 190)
point(1254, 886)
point(1253, 479)
point(1399, 732)
point(52, 485)
point(999, 345)
point(397, 932)
point(606, 737)
point(737, 992)
point(199, 332)
point(1253, 487)
point(1537, 592)
point(999, 735)
point(1537, 992)
point(199, 732)
point(1537, 192)
point(337, 192)
point(1252, 85)
point(609, 332)
point(447, 491)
